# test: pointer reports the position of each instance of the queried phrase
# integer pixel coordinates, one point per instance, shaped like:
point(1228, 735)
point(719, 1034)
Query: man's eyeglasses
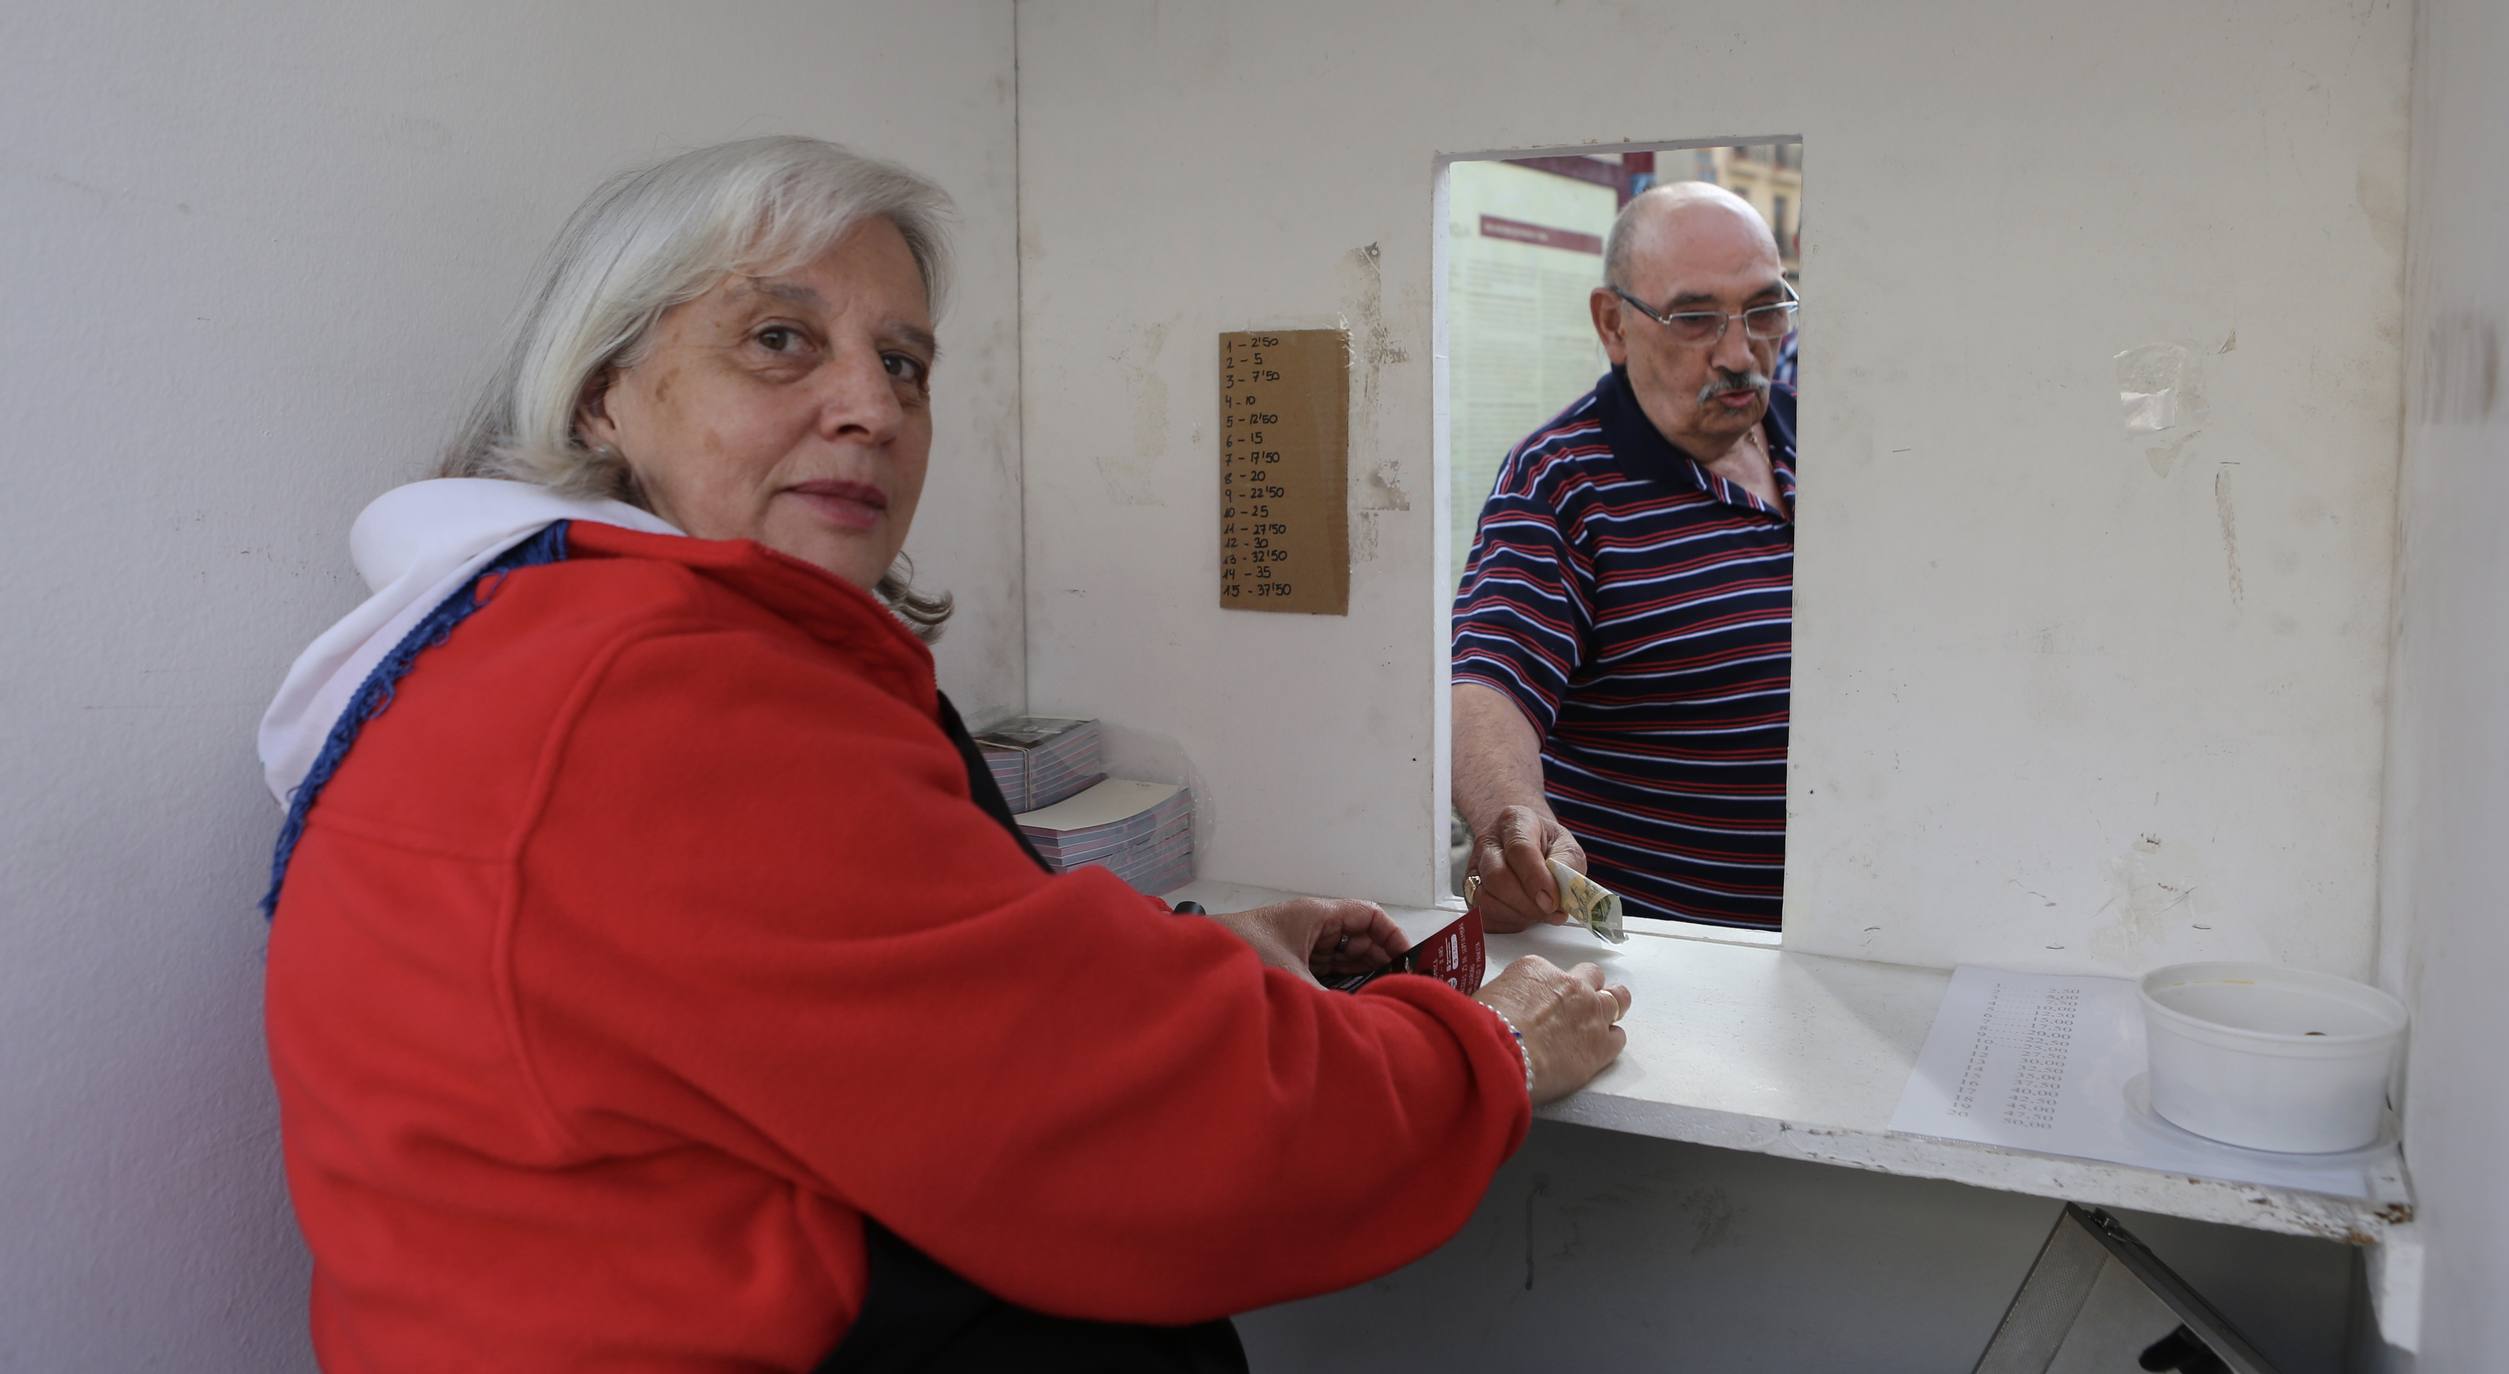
point(1707, 327)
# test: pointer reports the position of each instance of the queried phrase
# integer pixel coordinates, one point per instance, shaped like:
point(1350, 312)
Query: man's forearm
point(1497, 757)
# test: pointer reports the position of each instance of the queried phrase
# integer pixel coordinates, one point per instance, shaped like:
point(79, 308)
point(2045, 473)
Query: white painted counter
point(1748, 1047)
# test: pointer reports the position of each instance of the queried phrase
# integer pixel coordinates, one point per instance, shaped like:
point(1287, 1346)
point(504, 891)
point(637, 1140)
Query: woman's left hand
point(1317, 936)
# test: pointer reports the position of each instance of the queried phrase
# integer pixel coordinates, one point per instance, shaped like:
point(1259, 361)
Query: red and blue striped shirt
point(1640, 611)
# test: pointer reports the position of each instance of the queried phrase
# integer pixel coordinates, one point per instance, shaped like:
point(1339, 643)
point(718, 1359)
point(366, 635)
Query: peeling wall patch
point(1373, 349)
point(2161, 387)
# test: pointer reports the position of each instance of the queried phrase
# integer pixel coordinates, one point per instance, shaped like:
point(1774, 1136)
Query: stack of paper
point(1038, 761)
point(1141, 831)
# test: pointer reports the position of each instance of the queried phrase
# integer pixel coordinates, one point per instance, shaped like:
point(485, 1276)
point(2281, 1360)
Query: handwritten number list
point(1284, 540)
point(1254, 536)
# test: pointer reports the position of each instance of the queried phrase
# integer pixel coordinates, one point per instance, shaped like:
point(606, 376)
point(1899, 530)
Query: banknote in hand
point(1588, 903)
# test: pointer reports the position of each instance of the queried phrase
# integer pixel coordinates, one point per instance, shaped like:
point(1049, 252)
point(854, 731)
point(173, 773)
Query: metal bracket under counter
point(1744, 1046)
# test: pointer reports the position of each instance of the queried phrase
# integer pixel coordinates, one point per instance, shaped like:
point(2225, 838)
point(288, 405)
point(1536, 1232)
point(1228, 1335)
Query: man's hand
point(1498, 790)
point(1319, 937)
point(1510, 858)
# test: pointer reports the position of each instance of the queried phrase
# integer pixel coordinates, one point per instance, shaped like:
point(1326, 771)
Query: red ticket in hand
point(1454, 956)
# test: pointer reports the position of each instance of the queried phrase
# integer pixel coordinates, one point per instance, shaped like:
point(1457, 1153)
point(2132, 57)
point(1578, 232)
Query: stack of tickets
point(1143, 832)
point(1038, 761)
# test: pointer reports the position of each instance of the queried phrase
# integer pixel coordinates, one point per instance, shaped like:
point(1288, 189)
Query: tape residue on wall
point(2151, 380)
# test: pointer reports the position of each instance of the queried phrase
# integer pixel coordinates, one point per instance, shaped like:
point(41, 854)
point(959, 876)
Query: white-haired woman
point(659, 984)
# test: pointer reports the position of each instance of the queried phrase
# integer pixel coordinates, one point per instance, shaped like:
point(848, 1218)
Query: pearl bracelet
point(1521, 1052)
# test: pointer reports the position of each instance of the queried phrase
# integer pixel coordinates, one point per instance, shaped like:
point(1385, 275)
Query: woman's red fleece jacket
point(649, 940)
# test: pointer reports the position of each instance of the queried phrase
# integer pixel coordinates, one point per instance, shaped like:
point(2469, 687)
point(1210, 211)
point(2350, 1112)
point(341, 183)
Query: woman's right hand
point(1568, 1017)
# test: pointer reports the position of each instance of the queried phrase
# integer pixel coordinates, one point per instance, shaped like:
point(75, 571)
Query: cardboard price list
point(1284, 464)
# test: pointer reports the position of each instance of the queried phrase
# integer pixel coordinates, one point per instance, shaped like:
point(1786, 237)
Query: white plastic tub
point(2270, 1058)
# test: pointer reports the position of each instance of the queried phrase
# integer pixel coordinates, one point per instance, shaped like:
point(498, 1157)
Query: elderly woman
point(656, 980)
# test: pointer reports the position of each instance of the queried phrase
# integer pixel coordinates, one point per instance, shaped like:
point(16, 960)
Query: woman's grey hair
point(656, 237)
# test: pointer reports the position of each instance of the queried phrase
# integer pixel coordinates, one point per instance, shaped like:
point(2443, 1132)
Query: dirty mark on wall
point(1372, 350)
point(2229, 514)
point(1365, 534)
point(1131, 478)
point(2154, 893)
point(2164, 455)
point(1711, 1212)
point(1533, 1196)
point(2044, 899)
point(2378, 189)
point(2460, 367)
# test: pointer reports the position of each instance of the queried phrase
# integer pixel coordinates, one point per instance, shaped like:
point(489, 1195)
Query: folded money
point(1588, 903)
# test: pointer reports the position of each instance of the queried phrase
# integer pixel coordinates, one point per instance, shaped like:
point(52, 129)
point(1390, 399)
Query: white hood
point(415, 546)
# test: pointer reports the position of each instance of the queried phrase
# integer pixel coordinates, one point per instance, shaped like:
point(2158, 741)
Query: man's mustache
point(1755, 382)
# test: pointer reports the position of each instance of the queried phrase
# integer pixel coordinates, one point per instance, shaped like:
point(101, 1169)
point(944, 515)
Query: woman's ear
point(593, 424)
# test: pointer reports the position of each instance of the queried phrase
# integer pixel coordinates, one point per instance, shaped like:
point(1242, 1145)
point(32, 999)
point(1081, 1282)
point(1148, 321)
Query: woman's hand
point(1511, 859)
point(1319, 937)
point(1568, 1018)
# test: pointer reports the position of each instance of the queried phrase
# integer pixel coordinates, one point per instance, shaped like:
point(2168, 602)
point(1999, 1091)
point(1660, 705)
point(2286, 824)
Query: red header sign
point(1516, 230)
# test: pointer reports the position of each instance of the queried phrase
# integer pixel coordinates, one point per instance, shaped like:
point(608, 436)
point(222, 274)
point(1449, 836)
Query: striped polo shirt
point(1640, 611)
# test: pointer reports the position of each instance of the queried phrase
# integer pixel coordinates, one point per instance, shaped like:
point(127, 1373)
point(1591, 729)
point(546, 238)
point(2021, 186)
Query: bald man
point(1625, 621)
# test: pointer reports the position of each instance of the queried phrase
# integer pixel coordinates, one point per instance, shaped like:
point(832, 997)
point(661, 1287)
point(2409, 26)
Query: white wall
point(2061, 694)
point(2445, 871)
point(250, 264)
